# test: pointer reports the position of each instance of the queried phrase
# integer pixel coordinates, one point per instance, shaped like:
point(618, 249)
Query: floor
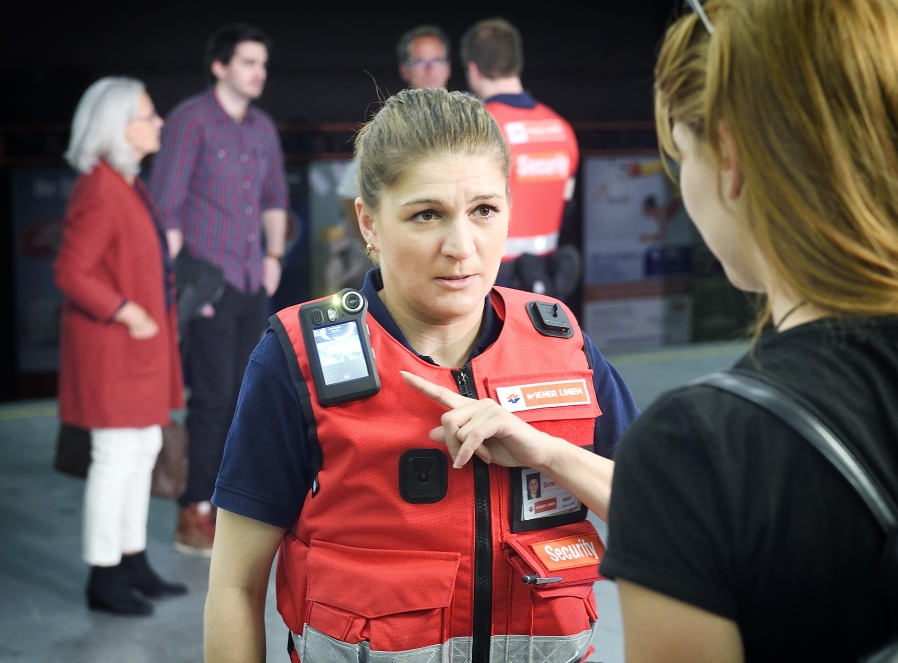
point(42, 610)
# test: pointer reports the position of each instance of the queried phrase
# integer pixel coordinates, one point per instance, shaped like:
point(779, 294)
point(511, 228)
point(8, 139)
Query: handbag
point(792, 411)
point(169, 473)
point(197, 283)
point(72, 451)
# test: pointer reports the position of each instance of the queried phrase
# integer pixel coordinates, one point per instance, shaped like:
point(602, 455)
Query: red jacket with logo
point(363, 572)
point(545, 155)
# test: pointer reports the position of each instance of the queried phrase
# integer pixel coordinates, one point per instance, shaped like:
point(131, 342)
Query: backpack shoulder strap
point(791, 411)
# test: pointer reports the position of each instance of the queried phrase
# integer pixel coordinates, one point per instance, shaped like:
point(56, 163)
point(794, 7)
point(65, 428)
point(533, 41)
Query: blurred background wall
point(331, 62)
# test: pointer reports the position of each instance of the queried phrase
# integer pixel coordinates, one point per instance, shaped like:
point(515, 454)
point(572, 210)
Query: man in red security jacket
point(546, 157)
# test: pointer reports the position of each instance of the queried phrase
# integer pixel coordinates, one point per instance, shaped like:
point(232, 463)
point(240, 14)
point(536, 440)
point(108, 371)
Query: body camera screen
point(340, 353)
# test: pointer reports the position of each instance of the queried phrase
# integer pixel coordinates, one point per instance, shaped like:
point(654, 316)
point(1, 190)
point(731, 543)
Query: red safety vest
point(545, 155)
point(365, 574)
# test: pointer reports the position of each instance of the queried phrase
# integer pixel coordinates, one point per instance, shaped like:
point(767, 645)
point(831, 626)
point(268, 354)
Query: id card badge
point(543, 498)
point(538, 502)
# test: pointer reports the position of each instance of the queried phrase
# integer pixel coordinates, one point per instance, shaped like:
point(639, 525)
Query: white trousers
point(117, 493)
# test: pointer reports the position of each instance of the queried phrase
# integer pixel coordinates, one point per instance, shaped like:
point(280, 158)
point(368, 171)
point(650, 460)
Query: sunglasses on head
point(700, 12)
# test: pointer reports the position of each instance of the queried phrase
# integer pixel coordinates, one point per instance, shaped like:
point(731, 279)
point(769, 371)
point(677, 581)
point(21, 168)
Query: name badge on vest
point(543, 395)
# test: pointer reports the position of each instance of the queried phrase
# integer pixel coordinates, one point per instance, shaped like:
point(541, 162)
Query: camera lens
point(352, 302)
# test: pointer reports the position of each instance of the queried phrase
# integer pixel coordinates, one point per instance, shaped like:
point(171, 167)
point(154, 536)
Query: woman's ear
point(730, 169)
point(366, 222)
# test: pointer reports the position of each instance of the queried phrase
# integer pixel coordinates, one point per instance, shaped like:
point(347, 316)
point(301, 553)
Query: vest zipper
point(483, 545)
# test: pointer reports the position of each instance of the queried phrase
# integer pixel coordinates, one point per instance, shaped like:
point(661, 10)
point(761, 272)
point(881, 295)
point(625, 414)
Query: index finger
point(435, 392)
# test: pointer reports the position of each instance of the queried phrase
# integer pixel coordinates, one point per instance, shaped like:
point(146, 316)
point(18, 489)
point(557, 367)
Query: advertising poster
point(337, 253)
point(39, 196)
point(638, 255)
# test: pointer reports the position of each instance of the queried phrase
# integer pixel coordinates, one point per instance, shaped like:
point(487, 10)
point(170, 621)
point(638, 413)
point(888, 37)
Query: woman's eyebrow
point(485, 196)
point(422, 201)
point(437, 201)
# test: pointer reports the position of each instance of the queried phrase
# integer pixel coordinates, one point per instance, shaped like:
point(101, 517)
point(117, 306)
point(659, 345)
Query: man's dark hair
point(223, 42)
point(404, 45)
point(495, 46)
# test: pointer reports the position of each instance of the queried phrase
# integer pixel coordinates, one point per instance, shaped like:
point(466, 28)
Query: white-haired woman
point(120, 371)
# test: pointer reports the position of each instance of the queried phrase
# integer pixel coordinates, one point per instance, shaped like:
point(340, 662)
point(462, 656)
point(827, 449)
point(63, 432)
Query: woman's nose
point(459, 240)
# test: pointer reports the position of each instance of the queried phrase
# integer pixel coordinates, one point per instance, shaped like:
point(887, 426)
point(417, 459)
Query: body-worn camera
point(339, 350)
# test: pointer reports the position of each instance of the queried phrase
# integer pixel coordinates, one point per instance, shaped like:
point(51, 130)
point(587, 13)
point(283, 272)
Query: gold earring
point(369, 246)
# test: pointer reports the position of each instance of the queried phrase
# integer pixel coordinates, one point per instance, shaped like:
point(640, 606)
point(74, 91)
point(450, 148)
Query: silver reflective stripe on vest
point(316, 647)
point(537, 245)
point(539, 648)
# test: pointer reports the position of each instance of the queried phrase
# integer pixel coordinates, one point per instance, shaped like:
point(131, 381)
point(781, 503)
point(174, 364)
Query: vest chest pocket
point(561, 403)
point(375, 601)
point(566, 606)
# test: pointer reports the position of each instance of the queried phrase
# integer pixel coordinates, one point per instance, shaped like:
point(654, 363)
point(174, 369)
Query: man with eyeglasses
point(546, 157)
point(423, 55)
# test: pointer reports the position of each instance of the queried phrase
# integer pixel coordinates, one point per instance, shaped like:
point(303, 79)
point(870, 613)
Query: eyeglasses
point(700, 12)
point(146, 118)
point(426, 62)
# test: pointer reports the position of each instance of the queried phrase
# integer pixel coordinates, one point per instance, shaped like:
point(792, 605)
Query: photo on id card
point(539, 502)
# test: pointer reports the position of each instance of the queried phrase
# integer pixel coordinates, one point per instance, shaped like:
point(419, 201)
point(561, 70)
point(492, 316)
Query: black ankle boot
point(110, 589)
point(145, 580)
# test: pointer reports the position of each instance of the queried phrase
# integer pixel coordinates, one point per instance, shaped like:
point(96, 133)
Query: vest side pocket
point(570, 609)
point(564, 607)
point(382, 600)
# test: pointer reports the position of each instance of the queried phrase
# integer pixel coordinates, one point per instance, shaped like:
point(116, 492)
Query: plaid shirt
point(212, 180)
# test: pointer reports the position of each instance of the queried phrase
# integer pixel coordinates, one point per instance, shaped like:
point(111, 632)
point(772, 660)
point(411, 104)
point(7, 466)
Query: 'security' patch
point(570, 552)
point(542, 167)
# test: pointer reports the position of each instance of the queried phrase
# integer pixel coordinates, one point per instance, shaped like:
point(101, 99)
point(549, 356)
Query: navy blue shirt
point(518, 100)
point(266, 470)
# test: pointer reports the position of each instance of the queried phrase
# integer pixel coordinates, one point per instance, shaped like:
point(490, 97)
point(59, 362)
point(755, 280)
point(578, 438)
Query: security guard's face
point(439, 234)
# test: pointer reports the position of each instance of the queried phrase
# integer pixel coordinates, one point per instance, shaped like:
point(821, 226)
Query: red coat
point(111, 252)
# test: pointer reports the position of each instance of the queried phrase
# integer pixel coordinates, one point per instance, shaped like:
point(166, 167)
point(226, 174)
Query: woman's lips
point(456, 281)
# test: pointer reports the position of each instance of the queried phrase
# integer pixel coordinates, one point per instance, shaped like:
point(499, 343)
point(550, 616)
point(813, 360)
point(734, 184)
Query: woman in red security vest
point(386, 551)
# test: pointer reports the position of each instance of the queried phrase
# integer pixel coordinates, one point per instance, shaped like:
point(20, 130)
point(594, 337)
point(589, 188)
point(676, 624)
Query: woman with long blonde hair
point(731, 537)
